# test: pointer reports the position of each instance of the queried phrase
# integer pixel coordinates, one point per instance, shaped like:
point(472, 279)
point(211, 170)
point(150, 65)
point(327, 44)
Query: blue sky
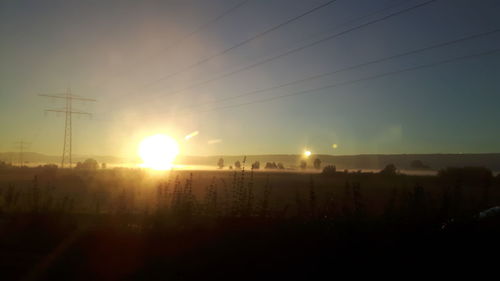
point(118, 52)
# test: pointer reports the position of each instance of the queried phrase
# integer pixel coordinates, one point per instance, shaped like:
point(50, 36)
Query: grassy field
point(128, 224)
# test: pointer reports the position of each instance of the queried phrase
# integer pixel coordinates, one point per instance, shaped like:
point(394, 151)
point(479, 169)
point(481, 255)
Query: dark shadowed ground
point(128, 225)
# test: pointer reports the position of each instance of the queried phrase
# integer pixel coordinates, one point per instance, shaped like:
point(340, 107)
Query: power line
point(351, 82)
point(365, 64)
point(248, 40)
point(407, 53)
point(490, 52)
point(68, 113)
point(314, 43)
point(187, 36)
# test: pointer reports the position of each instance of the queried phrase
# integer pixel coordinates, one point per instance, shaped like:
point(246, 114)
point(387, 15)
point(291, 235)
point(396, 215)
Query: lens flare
point(193, 134)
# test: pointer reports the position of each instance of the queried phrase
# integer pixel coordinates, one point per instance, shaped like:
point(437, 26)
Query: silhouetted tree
point(329, 170)
point(317, 164)
point(88, 164)
point(256, 165)
point(271, 165)
point(103, 165)
point(4, 165)
point(220, 163)
point(50, 166)
point(237, 165)
point(389, 170)
point(303, 164)
point(281, 166)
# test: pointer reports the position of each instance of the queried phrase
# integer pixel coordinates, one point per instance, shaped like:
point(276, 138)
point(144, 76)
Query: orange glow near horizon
point(158, 152)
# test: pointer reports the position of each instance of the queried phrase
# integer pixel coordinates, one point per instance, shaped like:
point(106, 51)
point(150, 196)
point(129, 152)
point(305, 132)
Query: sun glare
point(158, 152)
point(307, 153)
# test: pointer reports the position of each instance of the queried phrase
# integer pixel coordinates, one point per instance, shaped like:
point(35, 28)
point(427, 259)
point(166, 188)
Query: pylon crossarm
point(64, 96)
point(64, 111)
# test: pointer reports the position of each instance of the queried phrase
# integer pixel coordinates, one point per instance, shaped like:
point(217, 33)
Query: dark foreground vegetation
point(242, 225)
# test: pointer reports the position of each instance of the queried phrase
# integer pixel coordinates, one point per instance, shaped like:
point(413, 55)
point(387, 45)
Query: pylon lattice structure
point(68, 111)
point(21, 145)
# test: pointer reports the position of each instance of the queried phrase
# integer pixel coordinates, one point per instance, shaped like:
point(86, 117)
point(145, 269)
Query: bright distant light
point(158, 152)
point(307, 153)
point(334, 146)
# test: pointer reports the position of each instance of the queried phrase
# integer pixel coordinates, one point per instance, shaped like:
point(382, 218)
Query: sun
point(307, 153)
point(158, 152)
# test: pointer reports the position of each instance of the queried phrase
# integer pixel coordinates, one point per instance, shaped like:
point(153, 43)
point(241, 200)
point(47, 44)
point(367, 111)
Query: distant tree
point(303, 164)
point(220, 163)
point(88, 164)
point(50, 166)
point(256, 165)
point(281, 166)
point(389, 170)
point(237, 165)
point(418, 165)
point(329, 170)
point(4, 165)
point(103, 165)
point(317, 164)
point(271, 165)
point(230, 167)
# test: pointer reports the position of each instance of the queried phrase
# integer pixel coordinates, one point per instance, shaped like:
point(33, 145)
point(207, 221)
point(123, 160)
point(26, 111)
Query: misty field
point(286, 194)
point(125, 224)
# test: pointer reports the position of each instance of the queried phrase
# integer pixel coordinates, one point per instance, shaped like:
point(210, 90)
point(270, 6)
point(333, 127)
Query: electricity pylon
point(68, 113)
point(21, 145)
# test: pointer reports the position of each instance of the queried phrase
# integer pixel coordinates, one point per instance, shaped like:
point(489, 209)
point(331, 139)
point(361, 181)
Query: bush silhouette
point(329, 170)
point(389, 170)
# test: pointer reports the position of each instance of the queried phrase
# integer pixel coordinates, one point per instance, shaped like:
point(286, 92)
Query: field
point(125, 224)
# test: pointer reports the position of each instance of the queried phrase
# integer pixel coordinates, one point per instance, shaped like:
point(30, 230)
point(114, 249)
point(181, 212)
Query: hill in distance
point(364, 161)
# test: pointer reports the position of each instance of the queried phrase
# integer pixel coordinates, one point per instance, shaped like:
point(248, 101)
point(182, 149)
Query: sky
point(183, 66)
